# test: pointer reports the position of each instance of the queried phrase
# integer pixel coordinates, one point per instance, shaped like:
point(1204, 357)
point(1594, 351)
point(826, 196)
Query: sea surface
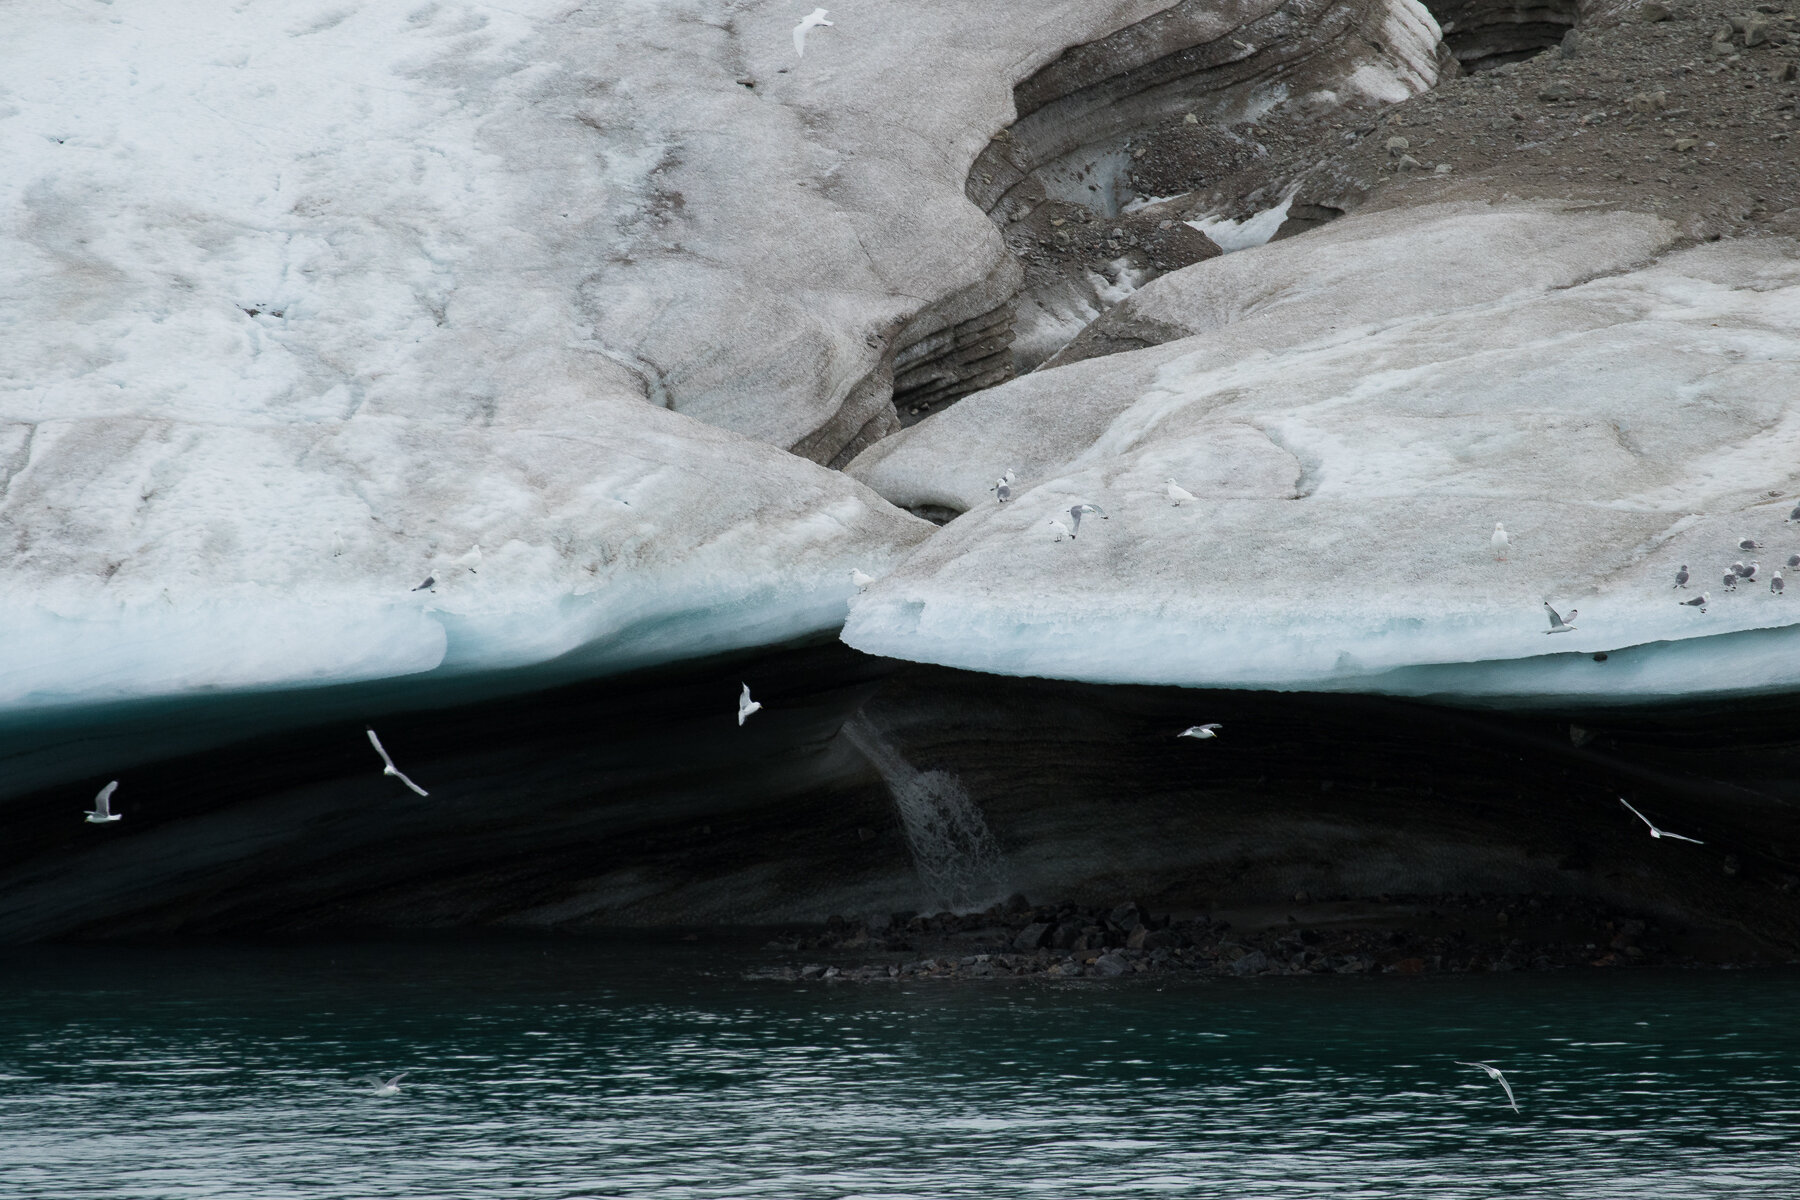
point(580, 1069)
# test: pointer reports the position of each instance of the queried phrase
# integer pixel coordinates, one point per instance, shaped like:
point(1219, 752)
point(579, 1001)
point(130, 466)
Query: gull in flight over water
point(1176, 493)
point(1209, 730)
point(811, 21)
point(389, 768)
point(746, 705)
point(1557, 623)
point(1495, 1075)
point(103, 806)
point(1499, 541)
point(1659, 833)
point(386, 1087)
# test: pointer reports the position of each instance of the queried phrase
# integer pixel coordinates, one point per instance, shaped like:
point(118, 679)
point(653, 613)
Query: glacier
point(302, 302)
point(1354, 408)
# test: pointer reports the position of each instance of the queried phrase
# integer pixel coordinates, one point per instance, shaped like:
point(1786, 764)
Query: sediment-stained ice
point(1354, 409)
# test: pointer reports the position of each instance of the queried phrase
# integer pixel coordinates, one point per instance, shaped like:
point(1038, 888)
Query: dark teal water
point(575, 1070)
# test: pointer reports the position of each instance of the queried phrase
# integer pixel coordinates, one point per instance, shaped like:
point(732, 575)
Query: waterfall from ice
point(956, 856)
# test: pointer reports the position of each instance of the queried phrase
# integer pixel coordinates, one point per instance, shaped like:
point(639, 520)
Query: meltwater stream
point(572, 1069)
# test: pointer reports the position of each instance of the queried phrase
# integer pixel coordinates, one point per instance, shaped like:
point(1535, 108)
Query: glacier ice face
point(1354, 409)
point(300, 305)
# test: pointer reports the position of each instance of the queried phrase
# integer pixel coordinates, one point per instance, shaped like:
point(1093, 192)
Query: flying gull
point(859, 579)
point(746, 705)
point(1495, 1075)
point(1659, 833)
point(1209, 730)
point(1062, 531)
point(386, 1087)
point(1698, 602)
point(389, 768)
point(1076, 511)
point(1176, 493)
point(103, 806)
point(811, 21)
point(1776, 583)
point(1557, 624)
point(1499, 541)
point(1681, 576)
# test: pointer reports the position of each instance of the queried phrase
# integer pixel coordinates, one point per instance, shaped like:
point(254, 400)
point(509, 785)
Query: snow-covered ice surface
point(301, 300)
point(1354, 409)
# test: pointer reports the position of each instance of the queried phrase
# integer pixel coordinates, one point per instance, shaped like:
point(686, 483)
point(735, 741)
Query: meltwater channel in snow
point(1353, 411)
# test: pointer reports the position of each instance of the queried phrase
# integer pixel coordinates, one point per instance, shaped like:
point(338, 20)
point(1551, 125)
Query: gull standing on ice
point(1076, 511)
point(386, 1087)
point(103, 806)
point(1750, 571)
point(1659, 833)
point(811, 21)
point(1749, 544)
point(746, 705)
point(389, 768)
point(430, 582)
point(1698, 602)
point(859, 579)
point(1002, 487)
point(1495, 1075)
point(1062, 531)
point(1777, 583)
point(1176, 493)
point(1793, 561)
point(1499, 542)
point(1557, 623)
point(1795, 515)
point(1208, 730)
point(1681, 576)
point(471, 560)
point(1730, 581)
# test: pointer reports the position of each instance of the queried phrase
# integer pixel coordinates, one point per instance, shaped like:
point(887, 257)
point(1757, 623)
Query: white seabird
point(386, 1087)
point(1681, 576)
point(746, 705)
point(388, 767)
point(103, 806)
point(1176, 493)
point(1208, 730)
point(1776, 583)
point(1659, 833)
point(859, 579)
point(1557, 623)
point(1698, 602)
point(1500, 541)
point(1739, 569)
point(1749, 544)
point(471, 560)
point(430, 582)
point(1750, 571)
point(1075, 512)
point(1730, 581)
point(812, 20)
point(1495, 1075)
point(1062, 531)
